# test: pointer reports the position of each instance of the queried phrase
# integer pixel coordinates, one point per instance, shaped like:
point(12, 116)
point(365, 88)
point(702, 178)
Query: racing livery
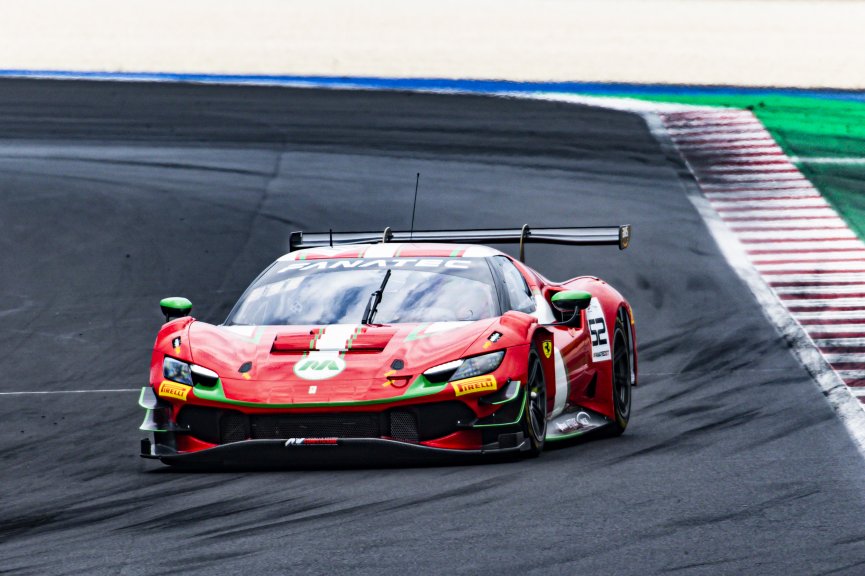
point(415, 344)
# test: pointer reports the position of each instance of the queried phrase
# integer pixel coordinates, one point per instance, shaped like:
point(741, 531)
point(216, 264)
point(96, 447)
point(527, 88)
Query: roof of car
point(393, 250)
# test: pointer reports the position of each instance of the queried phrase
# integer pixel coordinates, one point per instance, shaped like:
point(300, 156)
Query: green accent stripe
point(217, 394)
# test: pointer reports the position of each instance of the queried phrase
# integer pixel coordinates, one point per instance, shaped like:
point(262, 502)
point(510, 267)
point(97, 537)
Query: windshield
point(337, 291)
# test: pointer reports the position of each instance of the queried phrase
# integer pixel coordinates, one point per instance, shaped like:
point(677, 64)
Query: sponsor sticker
point(174, 390)
point(478, 384)
point(321, 368)
point(547, 346)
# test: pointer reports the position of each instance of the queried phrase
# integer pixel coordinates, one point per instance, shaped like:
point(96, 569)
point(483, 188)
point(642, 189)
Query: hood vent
point(369, 339)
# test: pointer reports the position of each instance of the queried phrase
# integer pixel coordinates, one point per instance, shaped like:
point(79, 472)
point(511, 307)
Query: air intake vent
point(403, 426)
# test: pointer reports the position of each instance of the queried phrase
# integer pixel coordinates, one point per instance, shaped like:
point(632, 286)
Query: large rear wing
point(594, 236)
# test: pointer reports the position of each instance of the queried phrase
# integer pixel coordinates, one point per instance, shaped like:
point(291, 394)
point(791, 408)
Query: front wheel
point(535, 413)
point(621, 379)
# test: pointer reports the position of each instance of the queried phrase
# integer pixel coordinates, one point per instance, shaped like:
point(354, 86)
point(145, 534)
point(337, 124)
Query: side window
point(518, 291)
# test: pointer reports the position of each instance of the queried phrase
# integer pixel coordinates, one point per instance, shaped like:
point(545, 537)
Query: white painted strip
point(807, 258)
point(734, 144)
point(839, 342)
point(728, 203)
point(731, 128)
point(725, 152)
point(773, 194)
point(852, 374)
point(821, 303)
point(43, 392)
point(766, 185)
point(831, 315)
point(809, 267)
point(833, 358)
point(823, 223)
point(769, 214)
point(830, 290)
point(845, 328)
point(735, 180)
point(734, 136)
point(748, 169)
point(797, 234)
point(827, 160)
point(804, 246)
point(819, 278)
point(858, 391)
point(728, 158)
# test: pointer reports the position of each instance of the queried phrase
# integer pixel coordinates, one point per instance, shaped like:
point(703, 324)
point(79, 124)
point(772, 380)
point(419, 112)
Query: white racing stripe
point(335, 337)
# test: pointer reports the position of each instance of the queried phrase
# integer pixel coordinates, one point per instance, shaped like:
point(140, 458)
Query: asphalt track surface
point(114, 195)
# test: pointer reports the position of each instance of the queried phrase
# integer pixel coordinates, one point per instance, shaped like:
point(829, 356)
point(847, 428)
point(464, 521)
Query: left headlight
point(465, 368)
point(177, 371)
point(189, 374)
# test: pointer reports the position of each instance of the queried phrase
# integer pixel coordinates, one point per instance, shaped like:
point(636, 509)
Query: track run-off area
point(113, 195)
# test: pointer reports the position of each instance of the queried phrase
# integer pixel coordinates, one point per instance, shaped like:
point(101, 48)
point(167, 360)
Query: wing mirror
point(570, 303)
point(175, 307)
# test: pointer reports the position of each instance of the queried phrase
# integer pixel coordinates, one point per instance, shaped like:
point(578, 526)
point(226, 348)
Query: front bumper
point(303, 452)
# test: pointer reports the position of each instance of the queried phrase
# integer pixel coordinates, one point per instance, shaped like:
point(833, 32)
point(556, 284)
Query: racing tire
point(534, 422)
point(621, 379)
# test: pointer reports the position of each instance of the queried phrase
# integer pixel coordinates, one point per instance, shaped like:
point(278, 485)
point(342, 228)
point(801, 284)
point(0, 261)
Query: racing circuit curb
point(797, 256)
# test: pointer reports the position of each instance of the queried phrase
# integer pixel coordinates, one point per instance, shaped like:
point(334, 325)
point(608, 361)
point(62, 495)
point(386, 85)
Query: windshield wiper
point(374, 300)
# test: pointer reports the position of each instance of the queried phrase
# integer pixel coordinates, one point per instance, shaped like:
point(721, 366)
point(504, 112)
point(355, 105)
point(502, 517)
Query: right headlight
point(465, 368)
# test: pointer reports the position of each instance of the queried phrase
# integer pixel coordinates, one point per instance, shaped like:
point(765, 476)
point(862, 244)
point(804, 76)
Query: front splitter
point(341, 452)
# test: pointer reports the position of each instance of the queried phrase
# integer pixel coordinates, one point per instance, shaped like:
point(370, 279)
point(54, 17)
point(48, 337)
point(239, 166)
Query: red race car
point(395, 344)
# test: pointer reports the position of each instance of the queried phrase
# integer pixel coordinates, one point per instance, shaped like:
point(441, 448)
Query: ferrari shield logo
point(548, 348)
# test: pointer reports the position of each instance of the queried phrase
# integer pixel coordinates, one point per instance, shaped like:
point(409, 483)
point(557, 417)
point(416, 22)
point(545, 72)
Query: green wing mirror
point(175, 307)
point(570, 303)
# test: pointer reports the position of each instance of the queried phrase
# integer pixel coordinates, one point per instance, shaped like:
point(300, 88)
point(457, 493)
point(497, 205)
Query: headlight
point(465, 368)
point(177, 371)
point(190, 374)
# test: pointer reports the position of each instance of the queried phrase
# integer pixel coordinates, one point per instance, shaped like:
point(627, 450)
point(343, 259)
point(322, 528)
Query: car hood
point(296, 364)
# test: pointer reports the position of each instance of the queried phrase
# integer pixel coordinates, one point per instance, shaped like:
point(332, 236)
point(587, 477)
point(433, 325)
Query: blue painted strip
point(438, 84)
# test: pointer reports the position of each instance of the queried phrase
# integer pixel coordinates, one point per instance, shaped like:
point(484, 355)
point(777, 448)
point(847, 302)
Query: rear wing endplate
point(593, 236)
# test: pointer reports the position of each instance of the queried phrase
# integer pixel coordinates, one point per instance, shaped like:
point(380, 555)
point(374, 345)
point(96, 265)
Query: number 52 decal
point(598, 330)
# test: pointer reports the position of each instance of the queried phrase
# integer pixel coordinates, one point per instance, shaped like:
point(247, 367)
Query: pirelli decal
point(174, 390)
point(472, 385)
